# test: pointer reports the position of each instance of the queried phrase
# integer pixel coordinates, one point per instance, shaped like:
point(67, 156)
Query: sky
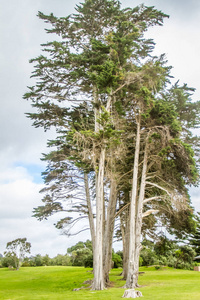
point(21, 145)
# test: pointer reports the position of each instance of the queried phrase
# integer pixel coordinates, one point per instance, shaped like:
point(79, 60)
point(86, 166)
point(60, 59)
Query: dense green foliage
point(194, 238)
point(166, 252)
point(81, 254)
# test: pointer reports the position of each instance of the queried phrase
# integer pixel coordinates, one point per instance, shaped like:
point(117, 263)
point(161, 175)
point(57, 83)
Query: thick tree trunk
point(139, 215)
point(98, 283)
point(138, 224)
point(125, 229)
point(109, 229)
point(132, 264)
point(109, 218)
point(90, 212)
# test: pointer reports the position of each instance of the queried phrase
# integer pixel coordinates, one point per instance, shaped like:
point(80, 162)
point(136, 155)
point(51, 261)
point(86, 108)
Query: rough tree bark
point(125, 229)
point(138, 227)
point(98, 283)
point(90, 212)
point(101, 271)
point(109, 229)
point(131, 276)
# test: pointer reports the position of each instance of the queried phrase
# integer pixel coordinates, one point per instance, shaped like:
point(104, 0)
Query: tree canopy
point(17, 249)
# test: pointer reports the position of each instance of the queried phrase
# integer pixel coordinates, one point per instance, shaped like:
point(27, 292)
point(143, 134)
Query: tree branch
point(149, 212)
point(159, 187)
point(152, 198)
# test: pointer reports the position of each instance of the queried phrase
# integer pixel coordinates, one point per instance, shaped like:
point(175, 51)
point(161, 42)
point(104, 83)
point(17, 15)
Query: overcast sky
point(21, 145)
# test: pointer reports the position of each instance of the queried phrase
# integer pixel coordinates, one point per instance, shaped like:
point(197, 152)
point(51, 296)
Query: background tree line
point(161, 252)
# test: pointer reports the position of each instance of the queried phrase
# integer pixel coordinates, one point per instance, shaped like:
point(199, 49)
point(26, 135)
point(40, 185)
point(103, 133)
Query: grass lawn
point(58, 283)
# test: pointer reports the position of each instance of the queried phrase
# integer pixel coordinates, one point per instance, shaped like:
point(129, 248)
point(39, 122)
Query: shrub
point(140, 261)
point(88, 261)
point(171, 261)
point(163, 260)
point(116, 258)
point(149, 257)
point(26, 264)
point(8, 260)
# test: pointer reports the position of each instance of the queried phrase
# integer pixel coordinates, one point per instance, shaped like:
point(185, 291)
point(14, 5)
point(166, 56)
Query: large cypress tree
point(103, 59)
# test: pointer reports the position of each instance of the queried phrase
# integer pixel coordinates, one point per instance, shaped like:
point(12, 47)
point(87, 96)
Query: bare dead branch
point(159, 187)
point(149, 212)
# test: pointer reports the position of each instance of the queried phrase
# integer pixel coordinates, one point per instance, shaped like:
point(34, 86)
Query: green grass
point(58, 283)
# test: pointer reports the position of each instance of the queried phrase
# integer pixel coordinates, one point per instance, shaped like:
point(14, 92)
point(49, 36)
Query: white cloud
point(18, 196)
point(43, 236)
point(195, 198)
point(181, 48)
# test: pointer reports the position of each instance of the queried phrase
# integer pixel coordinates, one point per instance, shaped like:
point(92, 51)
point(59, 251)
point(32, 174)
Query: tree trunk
point(139, 214)
point(125, 229)
point(132, 276)
point(109, 229)
point(90, 212)
point(98, 283)
point(133, 281)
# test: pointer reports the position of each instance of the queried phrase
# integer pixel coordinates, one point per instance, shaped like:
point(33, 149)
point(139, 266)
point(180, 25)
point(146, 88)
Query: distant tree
point(61, 260)
point(80, 245)
point(88, 261)
point(185, 255)
point(81, 253)
point(117, 260)
point(37, 260)
point(46, 260)
point(194, 239)
point(1, 258)
point(165, 246)
point(8, 260)
point(17, 249)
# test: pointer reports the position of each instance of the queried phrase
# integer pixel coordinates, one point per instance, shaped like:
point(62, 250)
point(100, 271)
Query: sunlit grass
point(58, 283)
point(170, 284)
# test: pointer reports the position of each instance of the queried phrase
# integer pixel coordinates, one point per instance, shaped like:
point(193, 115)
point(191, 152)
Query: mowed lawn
point(58, 283)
